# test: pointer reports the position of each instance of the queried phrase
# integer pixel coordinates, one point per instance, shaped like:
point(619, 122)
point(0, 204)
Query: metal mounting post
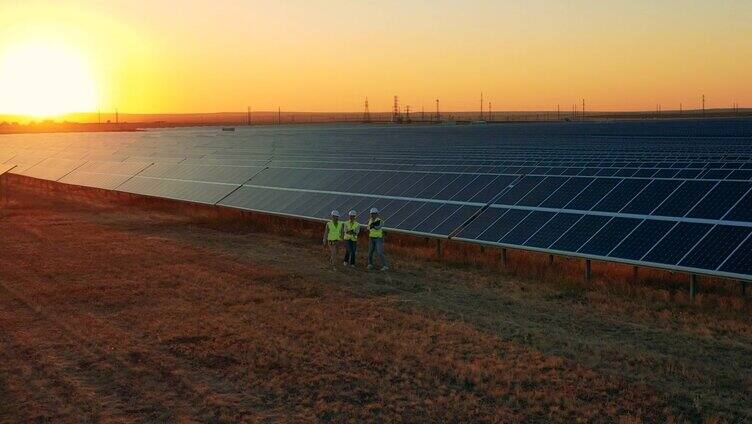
point(504, 257)
point(692, 287)
point(588, 272)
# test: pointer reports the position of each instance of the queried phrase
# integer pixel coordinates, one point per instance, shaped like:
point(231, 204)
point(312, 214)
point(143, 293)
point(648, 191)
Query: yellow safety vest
point(351, 226)
point(334, 231)
point(374, 233)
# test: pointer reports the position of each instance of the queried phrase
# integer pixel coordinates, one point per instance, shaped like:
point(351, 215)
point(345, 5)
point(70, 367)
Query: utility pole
point(407, 113)
point(117, 116)
point(249, 115)
point(423, 113)
point(558, 112)
point(438, 116)
point(490, 115)
point(703, 105)
point(279, 115)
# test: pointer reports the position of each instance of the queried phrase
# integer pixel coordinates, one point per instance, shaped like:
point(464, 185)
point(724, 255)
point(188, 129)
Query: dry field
point(125, 314)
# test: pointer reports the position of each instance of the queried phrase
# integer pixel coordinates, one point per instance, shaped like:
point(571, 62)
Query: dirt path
point(109, 314)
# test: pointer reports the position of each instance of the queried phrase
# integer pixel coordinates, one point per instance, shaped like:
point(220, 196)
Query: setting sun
point(45, 79)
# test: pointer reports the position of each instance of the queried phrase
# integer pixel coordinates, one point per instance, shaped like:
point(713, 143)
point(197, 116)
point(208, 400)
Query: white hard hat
point(335, 213)
point(353, 213)
point(374, 210)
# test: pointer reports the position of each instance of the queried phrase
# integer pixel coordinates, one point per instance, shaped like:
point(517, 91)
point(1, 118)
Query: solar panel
point(672, 194)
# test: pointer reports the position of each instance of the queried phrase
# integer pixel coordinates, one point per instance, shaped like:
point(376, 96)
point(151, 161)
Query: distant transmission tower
point(583, 109)
point(396, 117)
point(366, 112)
point(279, 115)
point(117, 116)
point(481, 106)
point(558, 112)
point(438, 115)
point(490, 115)
point(249, 115)
point(407, 114)
point(422, 112)
point(703, 105)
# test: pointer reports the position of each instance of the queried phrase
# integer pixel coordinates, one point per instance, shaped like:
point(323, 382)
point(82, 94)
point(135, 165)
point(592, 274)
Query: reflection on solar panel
point(669, 194)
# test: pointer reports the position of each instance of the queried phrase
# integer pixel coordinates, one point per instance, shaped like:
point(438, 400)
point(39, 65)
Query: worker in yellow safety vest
point(352, 229)
point(376, 239)
point(334, 231)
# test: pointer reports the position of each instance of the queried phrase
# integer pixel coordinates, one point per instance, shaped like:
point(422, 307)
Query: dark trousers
point(350, 247)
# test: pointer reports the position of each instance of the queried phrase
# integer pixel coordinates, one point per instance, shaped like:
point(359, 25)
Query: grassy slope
point(107, 313)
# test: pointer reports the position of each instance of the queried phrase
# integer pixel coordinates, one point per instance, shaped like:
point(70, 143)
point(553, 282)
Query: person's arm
point(326, 231)
point(342, 232)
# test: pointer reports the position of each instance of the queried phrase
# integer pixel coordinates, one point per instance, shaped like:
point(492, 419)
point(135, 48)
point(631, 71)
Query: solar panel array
point(669, 194)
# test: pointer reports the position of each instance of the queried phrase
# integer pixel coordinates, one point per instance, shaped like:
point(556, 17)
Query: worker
point(352, 229)
point(333, 234)
point(376, 239)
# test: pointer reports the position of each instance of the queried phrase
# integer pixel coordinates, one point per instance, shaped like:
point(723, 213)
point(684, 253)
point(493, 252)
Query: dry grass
point(124, 314)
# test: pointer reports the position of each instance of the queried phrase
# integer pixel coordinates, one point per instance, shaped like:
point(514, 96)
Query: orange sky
point(222, 55)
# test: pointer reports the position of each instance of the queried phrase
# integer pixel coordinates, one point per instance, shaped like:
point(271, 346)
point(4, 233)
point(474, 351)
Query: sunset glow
point(223, 55)
point(42, 79)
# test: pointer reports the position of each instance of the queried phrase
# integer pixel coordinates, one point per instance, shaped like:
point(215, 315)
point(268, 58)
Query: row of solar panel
point(725, 248)
point(653, 160)
point(434, 218)
point(709, 170)
point(727, 200)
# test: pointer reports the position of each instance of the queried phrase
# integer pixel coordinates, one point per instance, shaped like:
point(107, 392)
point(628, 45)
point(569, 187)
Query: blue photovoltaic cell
point(413, 190)
point(684, 198)
point(583, 230)
point(470, 190)
point(718, 202)
point(566, 192)
point(542, 191)
point(513, 194)
point(642, 239)
point(609, 236)
point(454, 221)
point(405, 211)
point(740, 262)
point(717, 174)
point(742, 211)
point(652, 196)
point(715, 247)
point(677, 243)
point(430, 191)
point(503, 225)
point(417, 217)
point(432, 220)
point(453, 188)
point(527, 227)
point(620, 195)
point(740, 174)
point(553, 229)
point(397, 185)
point(665, 173)
point(592, 194)
point(482, 222)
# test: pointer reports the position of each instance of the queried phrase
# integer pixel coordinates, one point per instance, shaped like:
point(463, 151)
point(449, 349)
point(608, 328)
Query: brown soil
point(114, 313)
